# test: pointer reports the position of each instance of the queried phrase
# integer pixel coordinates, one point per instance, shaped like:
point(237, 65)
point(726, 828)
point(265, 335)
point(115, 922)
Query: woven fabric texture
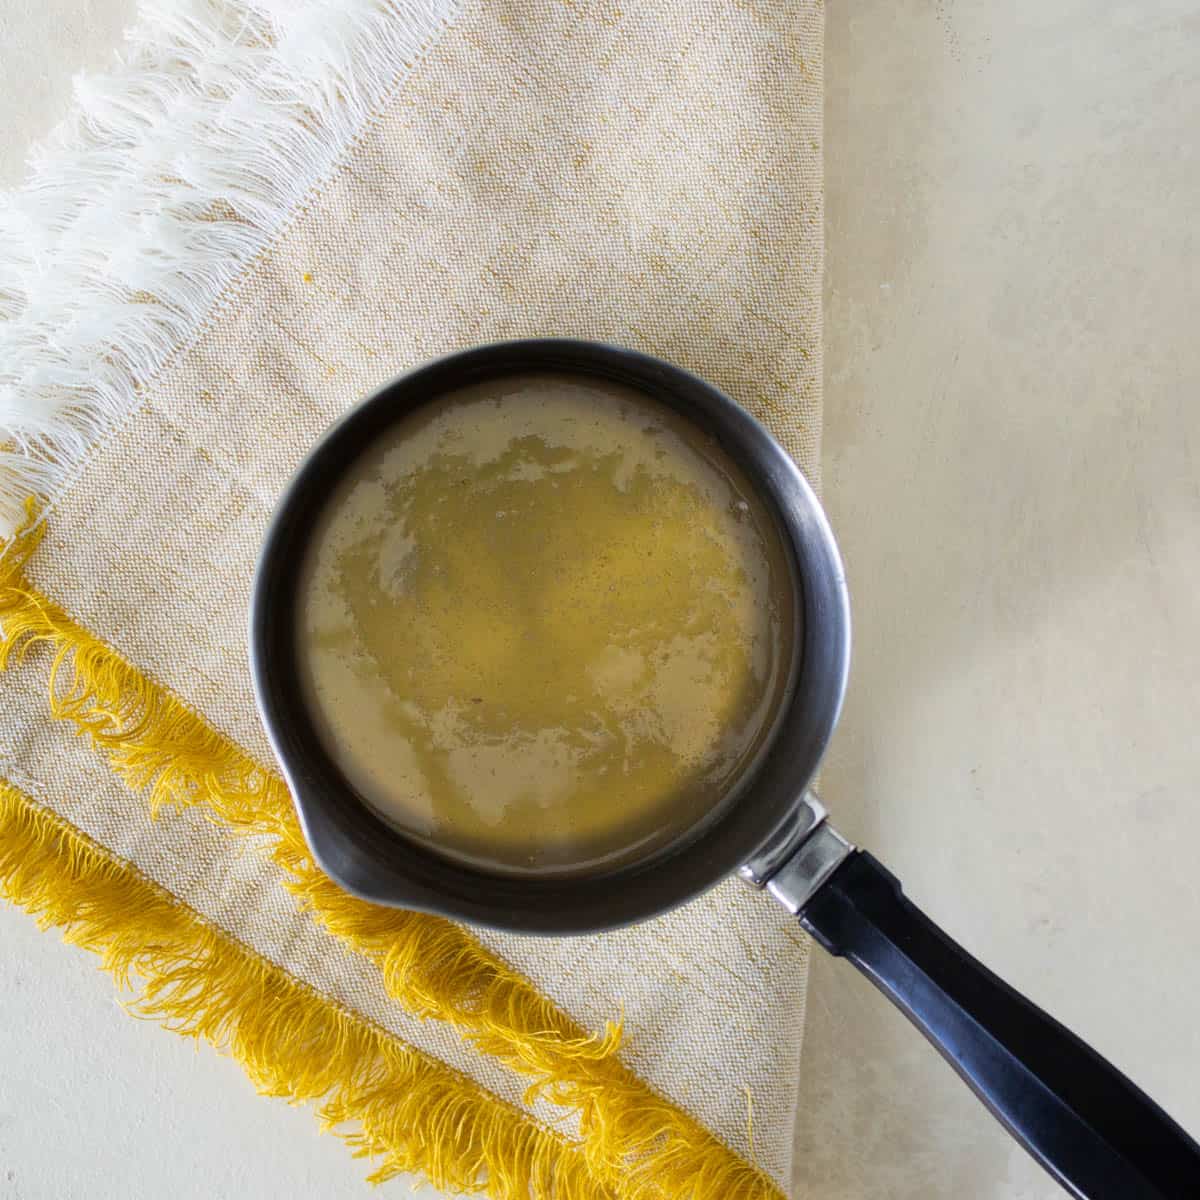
point(647, 176)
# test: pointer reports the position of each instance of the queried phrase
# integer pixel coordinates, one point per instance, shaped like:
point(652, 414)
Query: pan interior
point(545, 626)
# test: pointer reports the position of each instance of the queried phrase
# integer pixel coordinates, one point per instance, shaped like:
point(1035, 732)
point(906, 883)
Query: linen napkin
point(263, 213)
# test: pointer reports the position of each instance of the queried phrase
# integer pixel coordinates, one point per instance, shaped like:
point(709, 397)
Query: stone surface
point(1012, 442)
point(44, 44)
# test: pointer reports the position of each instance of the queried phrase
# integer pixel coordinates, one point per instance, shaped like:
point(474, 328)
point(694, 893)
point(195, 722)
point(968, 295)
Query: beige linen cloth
point(645, 175)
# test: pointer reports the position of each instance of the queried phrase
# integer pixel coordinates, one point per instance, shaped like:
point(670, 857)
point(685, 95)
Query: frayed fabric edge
point(385, 1099)
point(170, 176)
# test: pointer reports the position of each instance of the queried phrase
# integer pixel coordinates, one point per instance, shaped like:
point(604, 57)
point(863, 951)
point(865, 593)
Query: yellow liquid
point(544, 625)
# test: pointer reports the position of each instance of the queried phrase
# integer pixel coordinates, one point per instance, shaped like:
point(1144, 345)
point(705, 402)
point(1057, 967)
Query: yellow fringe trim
point(636, 1142)
point(415, 1113)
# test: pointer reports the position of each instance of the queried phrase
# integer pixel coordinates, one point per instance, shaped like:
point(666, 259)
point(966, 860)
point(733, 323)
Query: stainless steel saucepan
point(1093, 1130)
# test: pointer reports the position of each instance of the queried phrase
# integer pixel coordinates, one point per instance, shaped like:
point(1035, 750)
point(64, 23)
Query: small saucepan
point(1093, 1130)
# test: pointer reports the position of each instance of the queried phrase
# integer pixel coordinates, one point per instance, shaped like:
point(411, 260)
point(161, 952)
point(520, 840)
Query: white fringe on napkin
point(171, 173)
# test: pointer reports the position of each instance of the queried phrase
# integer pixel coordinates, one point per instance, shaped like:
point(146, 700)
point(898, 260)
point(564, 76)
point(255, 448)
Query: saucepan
point(1095, 1132)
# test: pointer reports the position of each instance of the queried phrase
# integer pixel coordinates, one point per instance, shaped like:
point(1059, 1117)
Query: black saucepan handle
point(1100, 1136)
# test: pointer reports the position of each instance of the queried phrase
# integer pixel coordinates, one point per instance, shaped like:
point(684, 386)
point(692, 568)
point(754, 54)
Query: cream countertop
point(1012, 443)
point(1013, 467)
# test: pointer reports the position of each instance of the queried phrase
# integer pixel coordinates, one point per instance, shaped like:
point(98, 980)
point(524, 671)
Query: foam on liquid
point(544, 625)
